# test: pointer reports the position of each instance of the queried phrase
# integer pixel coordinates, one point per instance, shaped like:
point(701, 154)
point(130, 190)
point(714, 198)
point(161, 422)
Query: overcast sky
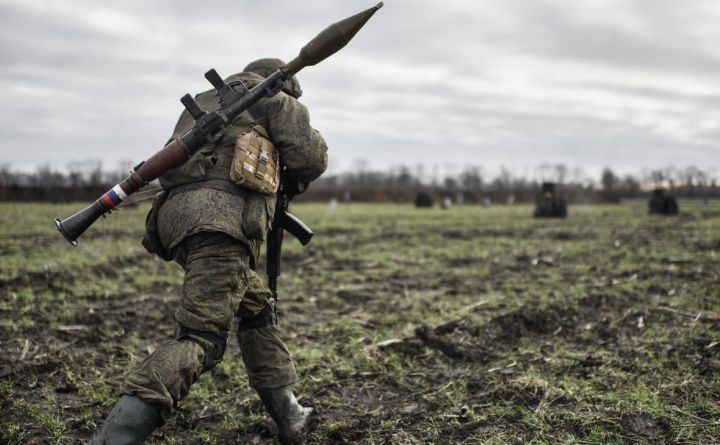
point(628, 84)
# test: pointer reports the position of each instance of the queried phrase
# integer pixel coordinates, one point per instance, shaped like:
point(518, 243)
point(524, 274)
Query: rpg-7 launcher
point(212, 126)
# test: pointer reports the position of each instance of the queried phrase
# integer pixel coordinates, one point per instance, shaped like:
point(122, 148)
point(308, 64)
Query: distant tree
point(46, 177)
point(88, 172)
point(95, 173)
point(7, 177)
point(420, 174)
point(75, 176)
point(658, 178)
point(503, 182)
point(553, 173)
point(405, 179)
point(561, 172)
point(450, 184)
point(692, 178)
point(471, 179)
point(609, 180)
point(122, 169)
point(630, 186)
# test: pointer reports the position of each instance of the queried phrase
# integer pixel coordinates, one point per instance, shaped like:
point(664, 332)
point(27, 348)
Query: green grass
point(499, 328)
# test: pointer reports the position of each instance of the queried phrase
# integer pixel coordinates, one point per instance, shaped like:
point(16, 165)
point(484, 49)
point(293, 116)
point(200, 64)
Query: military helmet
point(265, 67)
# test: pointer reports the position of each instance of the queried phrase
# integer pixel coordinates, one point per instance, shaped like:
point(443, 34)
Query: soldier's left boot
point(130, 422)
point(291, 418)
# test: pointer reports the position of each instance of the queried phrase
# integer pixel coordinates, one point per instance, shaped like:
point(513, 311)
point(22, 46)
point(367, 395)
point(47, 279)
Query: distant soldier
point(214, 229)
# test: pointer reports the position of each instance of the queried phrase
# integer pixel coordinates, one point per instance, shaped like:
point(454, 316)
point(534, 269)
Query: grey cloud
point(628, 84)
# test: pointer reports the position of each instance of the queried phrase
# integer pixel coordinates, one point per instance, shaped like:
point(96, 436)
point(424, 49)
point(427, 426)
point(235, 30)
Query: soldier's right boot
point(290, 417)
point(130, 422)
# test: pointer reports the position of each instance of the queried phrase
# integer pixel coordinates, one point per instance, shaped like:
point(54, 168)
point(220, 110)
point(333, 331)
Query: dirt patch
point(56, 280)
point(564, 235)
point(355, 296)
point(486, 232)
point(463, 340)
point(461, 262)
point(641, 424)
point(453, 350)
point(531, 320)
point(584, 367)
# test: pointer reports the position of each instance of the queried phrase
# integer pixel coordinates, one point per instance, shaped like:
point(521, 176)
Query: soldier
point(214, 229)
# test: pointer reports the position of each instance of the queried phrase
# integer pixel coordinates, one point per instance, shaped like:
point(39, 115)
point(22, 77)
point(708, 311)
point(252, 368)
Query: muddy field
point(473, 325)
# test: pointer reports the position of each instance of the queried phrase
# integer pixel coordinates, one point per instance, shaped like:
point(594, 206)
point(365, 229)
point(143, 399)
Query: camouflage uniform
point(214, 230)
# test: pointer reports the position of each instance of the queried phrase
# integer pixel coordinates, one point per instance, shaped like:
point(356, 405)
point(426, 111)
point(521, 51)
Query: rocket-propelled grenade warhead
point(331, 40)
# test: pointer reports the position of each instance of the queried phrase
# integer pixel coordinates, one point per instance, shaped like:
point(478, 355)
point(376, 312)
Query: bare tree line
point(87, 173)
point(81, 180)
point(399, 183)
point(470, 184)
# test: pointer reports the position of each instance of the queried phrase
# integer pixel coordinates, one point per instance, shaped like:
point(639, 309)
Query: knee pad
point(212, 344)
point(265, 317)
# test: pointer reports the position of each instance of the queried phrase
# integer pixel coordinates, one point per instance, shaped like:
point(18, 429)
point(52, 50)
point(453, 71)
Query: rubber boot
point(289, 416)
point(130, 422)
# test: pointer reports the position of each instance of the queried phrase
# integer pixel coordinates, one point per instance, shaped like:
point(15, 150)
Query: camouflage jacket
point(202, 198)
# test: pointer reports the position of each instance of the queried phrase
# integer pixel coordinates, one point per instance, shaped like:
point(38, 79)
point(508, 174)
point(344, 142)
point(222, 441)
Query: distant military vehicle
point(662, 203)
point(423, 200)
point(548, 204)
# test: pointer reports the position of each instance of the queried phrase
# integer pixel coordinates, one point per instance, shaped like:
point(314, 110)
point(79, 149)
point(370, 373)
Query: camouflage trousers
point(219, 285)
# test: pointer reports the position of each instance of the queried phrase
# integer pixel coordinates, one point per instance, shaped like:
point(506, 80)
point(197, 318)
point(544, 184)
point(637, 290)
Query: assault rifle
point(284, 221)
point(212, 126)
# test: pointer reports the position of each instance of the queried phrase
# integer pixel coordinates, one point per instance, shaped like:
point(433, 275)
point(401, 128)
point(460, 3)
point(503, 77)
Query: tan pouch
point(255, 163)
